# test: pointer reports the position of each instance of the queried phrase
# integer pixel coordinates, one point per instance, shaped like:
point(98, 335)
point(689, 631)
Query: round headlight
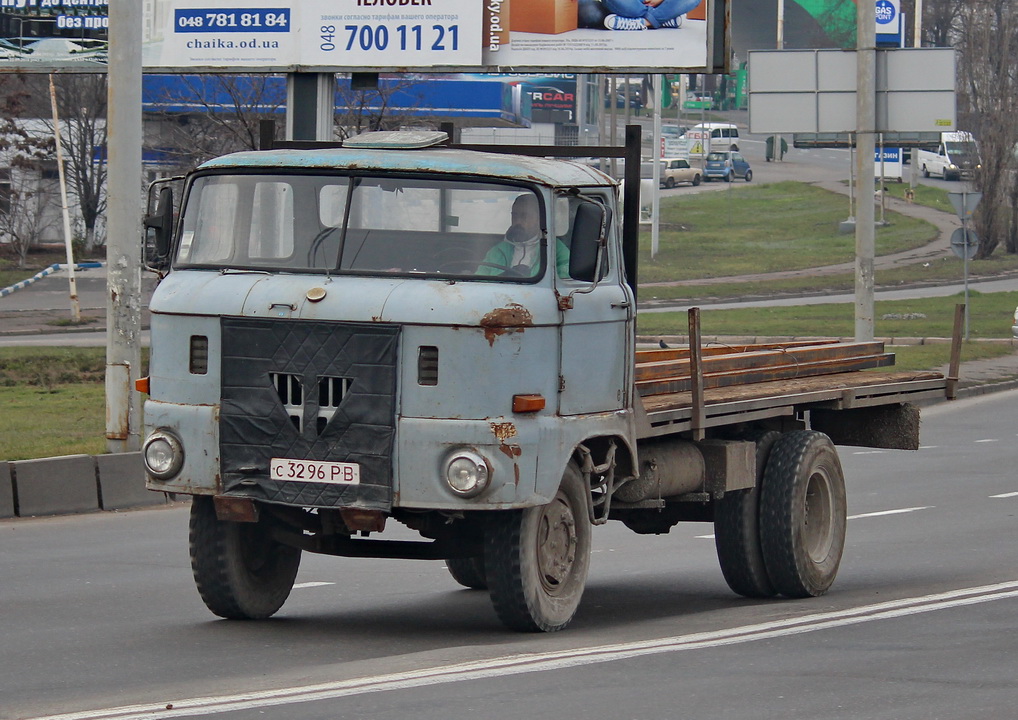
point(467, 473)
point(163, 454)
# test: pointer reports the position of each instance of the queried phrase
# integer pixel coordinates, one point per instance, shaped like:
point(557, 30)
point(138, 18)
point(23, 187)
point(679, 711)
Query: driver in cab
point(519, 253)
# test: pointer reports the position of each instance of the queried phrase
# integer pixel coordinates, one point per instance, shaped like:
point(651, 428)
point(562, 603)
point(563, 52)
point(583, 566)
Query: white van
point(706, 137)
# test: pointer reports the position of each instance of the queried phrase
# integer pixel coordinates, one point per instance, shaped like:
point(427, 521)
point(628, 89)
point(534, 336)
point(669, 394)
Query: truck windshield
point(362, 224)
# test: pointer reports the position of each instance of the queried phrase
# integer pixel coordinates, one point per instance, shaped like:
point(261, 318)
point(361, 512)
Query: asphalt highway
point(100, 614)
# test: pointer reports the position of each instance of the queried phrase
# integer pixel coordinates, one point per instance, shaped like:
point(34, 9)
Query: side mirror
point(588, 238)
point(157, 252)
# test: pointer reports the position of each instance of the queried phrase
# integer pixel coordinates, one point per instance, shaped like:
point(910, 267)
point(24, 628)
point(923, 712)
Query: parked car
point(1014, 325)
point(677, 170)
point(726, 165)
point(635, 102)
point(673, 131)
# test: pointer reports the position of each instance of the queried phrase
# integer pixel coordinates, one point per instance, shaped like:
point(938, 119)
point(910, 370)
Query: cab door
point(597, 333)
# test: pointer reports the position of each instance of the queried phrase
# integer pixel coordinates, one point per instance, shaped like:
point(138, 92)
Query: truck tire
point(803, 514)
point(240, 571)
point(536, 559)
point(926, 172)
point(670, 183)
point(468, 572)
point(737, 530)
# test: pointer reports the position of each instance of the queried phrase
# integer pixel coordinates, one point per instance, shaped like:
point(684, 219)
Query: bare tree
point(81, 105)
point(26, 195)
point(25, 151)
point(987, 42)
point(389, 106)
point(204, 116)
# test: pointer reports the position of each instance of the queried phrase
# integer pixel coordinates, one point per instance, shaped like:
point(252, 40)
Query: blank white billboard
point(813, 91)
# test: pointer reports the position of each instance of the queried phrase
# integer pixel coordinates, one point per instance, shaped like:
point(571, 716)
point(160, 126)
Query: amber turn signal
point(141, 385)
point(528, 403)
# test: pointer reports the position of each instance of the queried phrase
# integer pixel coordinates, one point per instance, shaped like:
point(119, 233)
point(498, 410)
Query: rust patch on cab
point(503, 430)
point(506, 319)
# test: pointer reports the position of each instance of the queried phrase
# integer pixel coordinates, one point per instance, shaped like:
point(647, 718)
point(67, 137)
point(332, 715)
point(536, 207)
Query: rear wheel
point(468, 572)
point(241, 572)
point(537, 559)
point(803, 514)
point(670, 183)
point(737, 531)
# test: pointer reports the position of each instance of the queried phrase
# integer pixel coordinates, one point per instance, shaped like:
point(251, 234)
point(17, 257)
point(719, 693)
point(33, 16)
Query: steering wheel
point(453, 265)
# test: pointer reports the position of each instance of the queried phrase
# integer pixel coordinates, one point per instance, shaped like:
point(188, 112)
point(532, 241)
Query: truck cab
point(370, 332)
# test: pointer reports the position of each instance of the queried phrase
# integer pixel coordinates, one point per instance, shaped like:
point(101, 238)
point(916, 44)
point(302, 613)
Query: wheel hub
point(818, 515)
point(556, 544)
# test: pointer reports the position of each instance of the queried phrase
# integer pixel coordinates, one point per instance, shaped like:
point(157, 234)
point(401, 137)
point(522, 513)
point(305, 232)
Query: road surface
point(99, 612)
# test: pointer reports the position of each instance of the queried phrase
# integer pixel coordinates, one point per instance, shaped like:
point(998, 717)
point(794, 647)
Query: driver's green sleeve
point(502, 254)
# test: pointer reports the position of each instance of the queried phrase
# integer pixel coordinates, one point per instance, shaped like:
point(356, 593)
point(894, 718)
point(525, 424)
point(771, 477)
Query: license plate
point(333, 473)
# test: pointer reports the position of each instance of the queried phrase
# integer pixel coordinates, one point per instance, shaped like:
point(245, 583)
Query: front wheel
point(749, 176)
point(803, 514)
point(696, 180)
point(537, 559)
point(241, 572)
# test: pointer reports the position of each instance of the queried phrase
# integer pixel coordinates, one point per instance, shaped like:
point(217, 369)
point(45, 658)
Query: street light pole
point(124, 210)
point(865, 147)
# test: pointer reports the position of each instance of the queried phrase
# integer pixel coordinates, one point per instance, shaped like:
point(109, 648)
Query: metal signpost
point(964, 242)
point(841, 92)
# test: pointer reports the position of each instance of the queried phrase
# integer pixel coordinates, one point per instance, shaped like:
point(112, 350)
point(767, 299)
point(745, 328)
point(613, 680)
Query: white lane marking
point(928, 447)
point(1005, 495)
point(988, 440)
point(869, 452)
point(553, 660)
point(856, 517)
point(301, 586)
point(889, 512)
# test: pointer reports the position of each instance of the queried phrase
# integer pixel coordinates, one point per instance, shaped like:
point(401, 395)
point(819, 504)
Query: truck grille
point(290, 389)
point(311, 391)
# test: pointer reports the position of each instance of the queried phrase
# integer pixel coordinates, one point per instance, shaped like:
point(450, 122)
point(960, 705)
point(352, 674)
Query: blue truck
point(403, 330)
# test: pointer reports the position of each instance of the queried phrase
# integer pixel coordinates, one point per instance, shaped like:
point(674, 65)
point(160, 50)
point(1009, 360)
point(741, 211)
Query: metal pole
point(917, 31)
point(310, 106)
point(777, 156)
point(655, 222)
point(71, 281)
point(124, 210)
point(865, 84)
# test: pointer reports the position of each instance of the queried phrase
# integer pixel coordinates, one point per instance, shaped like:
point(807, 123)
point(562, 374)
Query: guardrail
point(74, 484)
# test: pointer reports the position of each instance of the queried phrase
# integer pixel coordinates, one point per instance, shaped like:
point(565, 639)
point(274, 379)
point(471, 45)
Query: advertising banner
point(439, 35)
point(378, 35)
point(54, 34)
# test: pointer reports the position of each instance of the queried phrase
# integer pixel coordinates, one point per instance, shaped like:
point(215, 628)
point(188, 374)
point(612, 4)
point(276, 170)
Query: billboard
point(54, 34)
point(440, 35)
point(376, 35)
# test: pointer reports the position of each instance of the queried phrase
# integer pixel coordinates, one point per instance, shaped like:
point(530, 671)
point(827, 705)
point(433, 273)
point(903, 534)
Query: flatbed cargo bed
point(675, 412)
point(695, 388)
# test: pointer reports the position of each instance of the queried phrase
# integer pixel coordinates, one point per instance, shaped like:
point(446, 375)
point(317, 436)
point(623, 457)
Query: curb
point(74, 484)
point(56, 267)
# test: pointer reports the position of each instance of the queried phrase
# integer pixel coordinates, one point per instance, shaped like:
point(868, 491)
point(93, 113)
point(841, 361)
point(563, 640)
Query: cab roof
point(442, 160)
